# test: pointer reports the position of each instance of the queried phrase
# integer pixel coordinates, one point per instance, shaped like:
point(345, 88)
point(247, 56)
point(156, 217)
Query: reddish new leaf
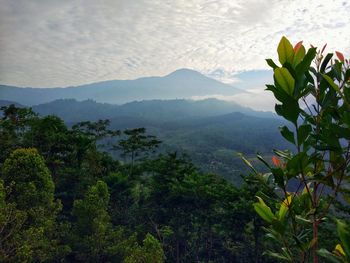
point(276, 161)
point(298, 46)
point(340, 56)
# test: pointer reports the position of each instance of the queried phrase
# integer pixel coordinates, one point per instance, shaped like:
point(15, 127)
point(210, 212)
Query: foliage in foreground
point(314, 176)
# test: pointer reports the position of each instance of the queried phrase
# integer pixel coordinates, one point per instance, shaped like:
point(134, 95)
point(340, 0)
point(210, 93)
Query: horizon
point(143, 77)
point(246, 91)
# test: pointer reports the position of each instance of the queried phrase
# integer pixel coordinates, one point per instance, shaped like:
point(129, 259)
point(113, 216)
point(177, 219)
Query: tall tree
point(29, 200)
point(137, 144)
point(13, 124)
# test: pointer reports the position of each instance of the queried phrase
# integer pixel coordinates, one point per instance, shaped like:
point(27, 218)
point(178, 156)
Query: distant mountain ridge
point(72, 110)
point(180, 84)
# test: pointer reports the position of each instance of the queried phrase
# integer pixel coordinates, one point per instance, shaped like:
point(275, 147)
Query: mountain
point(158, 110)
point(180, 84)
point(7, 103)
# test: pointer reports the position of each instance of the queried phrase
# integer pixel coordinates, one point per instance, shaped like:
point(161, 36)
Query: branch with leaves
point(313, 94)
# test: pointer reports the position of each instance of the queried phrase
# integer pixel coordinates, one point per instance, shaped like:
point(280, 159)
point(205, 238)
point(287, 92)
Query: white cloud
point(256, 99)
point(70, 42)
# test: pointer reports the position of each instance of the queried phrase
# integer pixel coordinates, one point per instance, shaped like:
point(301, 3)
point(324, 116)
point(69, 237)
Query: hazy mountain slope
point(169, 110)
point(206, 130)
point(183, 83)
point(213, 142)
point(237, 131)
point(158, 110)
point(72, 110)
point(7, 103)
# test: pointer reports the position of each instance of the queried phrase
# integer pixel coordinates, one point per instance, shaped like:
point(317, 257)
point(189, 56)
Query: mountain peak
point(184, 72)
point(181, 84)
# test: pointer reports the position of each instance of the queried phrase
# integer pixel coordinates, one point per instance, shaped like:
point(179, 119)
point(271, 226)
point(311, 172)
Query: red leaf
point(276, 161)
point(298, 46)
point(340, 56)
point(324, 47)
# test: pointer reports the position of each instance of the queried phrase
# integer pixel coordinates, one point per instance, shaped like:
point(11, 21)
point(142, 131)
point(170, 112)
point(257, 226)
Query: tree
point(95, 130)
point(135, 144)
point(13, 124)
point(27, 200)
point(150, 252)
point(198, 217)
point(316, 101)
point(12, 220)
point(95, 239)
point(92, 223)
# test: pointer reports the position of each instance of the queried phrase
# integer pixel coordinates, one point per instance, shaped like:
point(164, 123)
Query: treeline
point(64, 199)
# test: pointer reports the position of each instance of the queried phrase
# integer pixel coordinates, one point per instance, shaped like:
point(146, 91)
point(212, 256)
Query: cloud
point(47, 43)
point(256, 99)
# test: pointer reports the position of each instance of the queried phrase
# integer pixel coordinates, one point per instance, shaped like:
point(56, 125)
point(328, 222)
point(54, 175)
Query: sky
point(46, 43)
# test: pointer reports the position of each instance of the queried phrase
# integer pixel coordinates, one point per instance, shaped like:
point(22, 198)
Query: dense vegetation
point(63, 199)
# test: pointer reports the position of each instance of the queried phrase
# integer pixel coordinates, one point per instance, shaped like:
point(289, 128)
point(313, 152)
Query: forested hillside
point(66, 200)
point(211, 132)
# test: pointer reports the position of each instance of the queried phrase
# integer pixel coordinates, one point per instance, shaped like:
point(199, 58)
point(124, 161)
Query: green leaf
point(284, 207)
point(247, 163)
point(303, 220)
point(279, 93)
point(328, 255)
point(289, 110)
point(279, 256)
point(347, 74)
point(285, 80)
point(278, 174)
point(347, 93)
point(284, 154)
point(304, 65)
point(346, 118)
point(339, 250)
point(303, 133)
point(285, 51)
point(298, 163)
point(264, 211)
point(262, 160)
point(298, 57)
point(287, 134)
point(271, 63)
point(344, 235)
point(339, 131)
point(326, 61)
point(331, 83)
